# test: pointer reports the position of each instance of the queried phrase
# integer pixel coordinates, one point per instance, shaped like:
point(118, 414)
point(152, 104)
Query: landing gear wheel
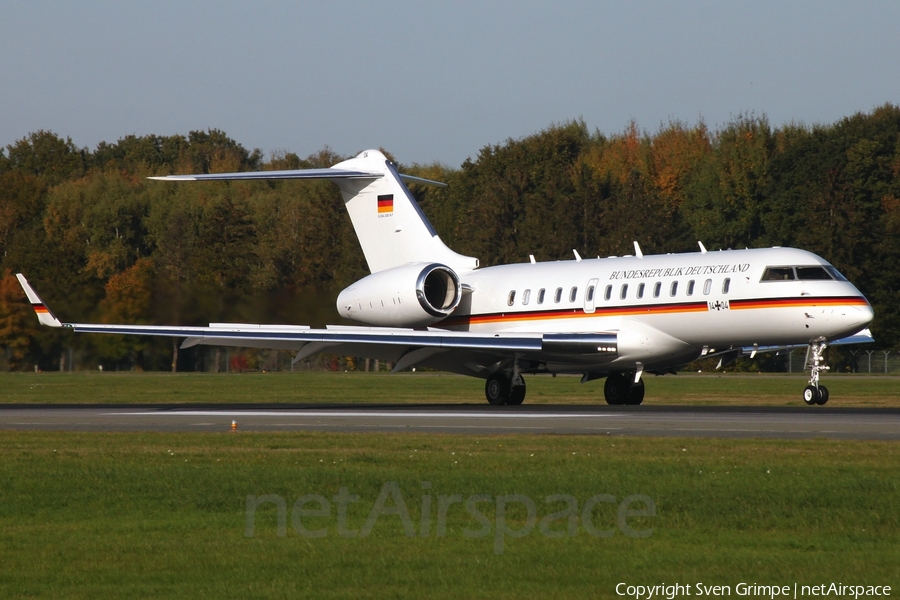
point(635, 393)
point(496, 389)
point(811, 395)
point(617, 389)
point(516, 391)
point(815, 362)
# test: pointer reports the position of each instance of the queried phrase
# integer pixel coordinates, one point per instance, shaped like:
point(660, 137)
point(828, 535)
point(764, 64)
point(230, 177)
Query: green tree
point(48, 156)
point(727, 193)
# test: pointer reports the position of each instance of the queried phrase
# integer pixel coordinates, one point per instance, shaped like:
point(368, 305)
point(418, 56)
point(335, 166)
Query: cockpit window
point(812, 273)
point(835, 273)
point(778, 274)
point(804, 273)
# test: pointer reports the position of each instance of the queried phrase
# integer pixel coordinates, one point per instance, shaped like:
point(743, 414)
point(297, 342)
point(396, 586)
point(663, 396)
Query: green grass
point(715, 389)
point(163, 515)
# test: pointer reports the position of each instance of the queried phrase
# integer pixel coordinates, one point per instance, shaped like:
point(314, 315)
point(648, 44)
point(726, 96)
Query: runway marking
point(400, 426)
point(424, 415)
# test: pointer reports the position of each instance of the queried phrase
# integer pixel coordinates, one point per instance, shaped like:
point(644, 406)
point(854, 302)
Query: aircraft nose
point(865, 315)
point(859, 316)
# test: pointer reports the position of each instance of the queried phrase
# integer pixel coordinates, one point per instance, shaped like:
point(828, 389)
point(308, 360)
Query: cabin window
point(726, 284)
point(673, 289)
point(690, 290)
point(608, 293)
point(573, 293)
point(707, 286)
point(512, 298)
point(812, 273)
point(640, 293)
point(541, 295)
point(657, 288)
point(778, 274)
point(558, 296)
point(526, 296)
point(590, 293)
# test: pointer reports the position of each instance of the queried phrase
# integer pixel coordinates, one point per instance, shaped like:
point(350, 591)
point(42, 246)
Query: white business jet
point(617, 317)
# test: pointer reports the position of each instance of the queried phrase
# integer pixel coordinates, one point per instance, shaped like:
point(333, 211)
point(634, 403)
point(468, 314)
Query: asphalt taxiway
point(723, 422)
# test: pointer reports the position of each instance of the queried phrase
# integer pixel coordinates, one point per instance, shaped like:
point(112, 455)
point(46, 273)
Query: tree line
point(102, 243)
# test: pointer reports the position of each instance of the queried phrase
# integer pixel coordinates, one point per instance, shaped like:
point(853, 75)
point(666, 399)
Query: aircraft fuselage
point(700, 300)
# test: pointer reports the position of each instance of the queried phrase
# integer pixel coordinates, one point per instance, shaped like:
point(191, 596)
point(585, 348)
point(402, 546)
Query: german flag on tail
point(385, 204)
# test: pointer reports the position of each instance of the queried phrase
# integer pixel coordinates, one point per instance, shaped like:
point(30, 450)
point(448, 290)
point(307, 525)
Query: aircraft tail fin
point(391, 227)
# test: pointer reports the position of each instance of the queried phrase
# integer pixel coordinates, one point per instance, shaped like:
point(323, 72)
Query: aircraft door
point(590, 296)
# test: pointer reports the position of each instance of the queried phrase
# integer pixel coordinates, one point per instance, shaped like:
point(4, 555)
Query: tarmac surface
point(708, 421)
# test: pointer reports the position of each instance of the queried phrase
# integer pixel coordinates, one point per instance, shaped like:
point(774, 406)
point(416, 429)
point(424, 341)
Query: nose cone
point(864, 314)
point(855, 318)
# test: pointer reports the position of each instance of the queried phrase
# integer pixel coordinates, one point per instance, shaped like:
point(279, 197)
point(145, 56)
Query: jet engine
point(415, 295)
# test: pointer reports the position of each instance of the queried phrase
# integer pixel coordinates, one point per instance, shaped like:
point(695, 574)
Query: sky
point(432, 81)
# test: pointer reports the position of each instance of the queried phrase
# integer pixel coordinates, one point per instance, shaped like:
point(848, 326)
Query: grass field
point(723, 389)
point(87, 515)
point(164, 515)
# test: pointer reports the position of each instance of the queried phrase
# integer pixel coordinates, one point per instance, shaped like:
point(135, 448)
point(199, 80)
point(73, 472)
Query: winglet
point(43, 313)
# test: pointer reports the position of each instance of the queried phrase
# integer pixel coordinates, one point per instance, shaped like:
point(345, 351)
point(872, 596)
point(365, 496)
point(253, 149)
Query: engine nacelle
point(413, 295)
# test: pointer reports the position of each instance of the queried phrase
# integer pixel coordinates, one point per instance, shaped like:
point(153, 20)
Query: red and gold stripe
point(576, 313)
point(652, 309)
point(802, 301)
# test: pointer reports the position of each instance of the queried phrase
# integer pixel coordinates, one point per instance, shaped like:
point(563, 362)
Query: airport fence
point(884, 362)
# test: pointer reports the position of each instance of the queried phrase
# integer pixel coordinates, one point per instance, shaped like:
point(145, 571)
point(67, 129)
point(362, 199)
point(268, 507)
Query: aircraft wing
point(729, 355)
point(406, 347)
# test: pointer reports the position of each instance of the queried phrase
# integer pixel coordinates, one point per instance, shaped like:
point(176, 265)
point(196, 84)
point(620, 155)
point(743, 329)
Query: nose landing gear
point(815, 393)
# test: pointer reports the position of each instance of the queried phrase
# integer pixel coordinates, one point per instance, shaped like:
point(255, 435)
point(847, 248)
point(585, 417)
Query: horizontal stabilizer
point(413, 179)
point(264, 175)
point(391, 227)
point(294, 174)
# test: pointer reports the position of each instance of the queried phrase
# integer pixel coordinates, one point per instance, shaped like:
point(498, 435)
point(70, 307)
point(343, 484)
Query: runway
point(723, 422)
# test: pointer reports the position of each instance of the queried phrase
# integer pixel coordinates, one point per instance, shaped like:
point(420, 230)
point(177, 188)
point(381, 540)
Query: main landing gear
point(501, 388)
point(815, 393)
point(620, 389)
